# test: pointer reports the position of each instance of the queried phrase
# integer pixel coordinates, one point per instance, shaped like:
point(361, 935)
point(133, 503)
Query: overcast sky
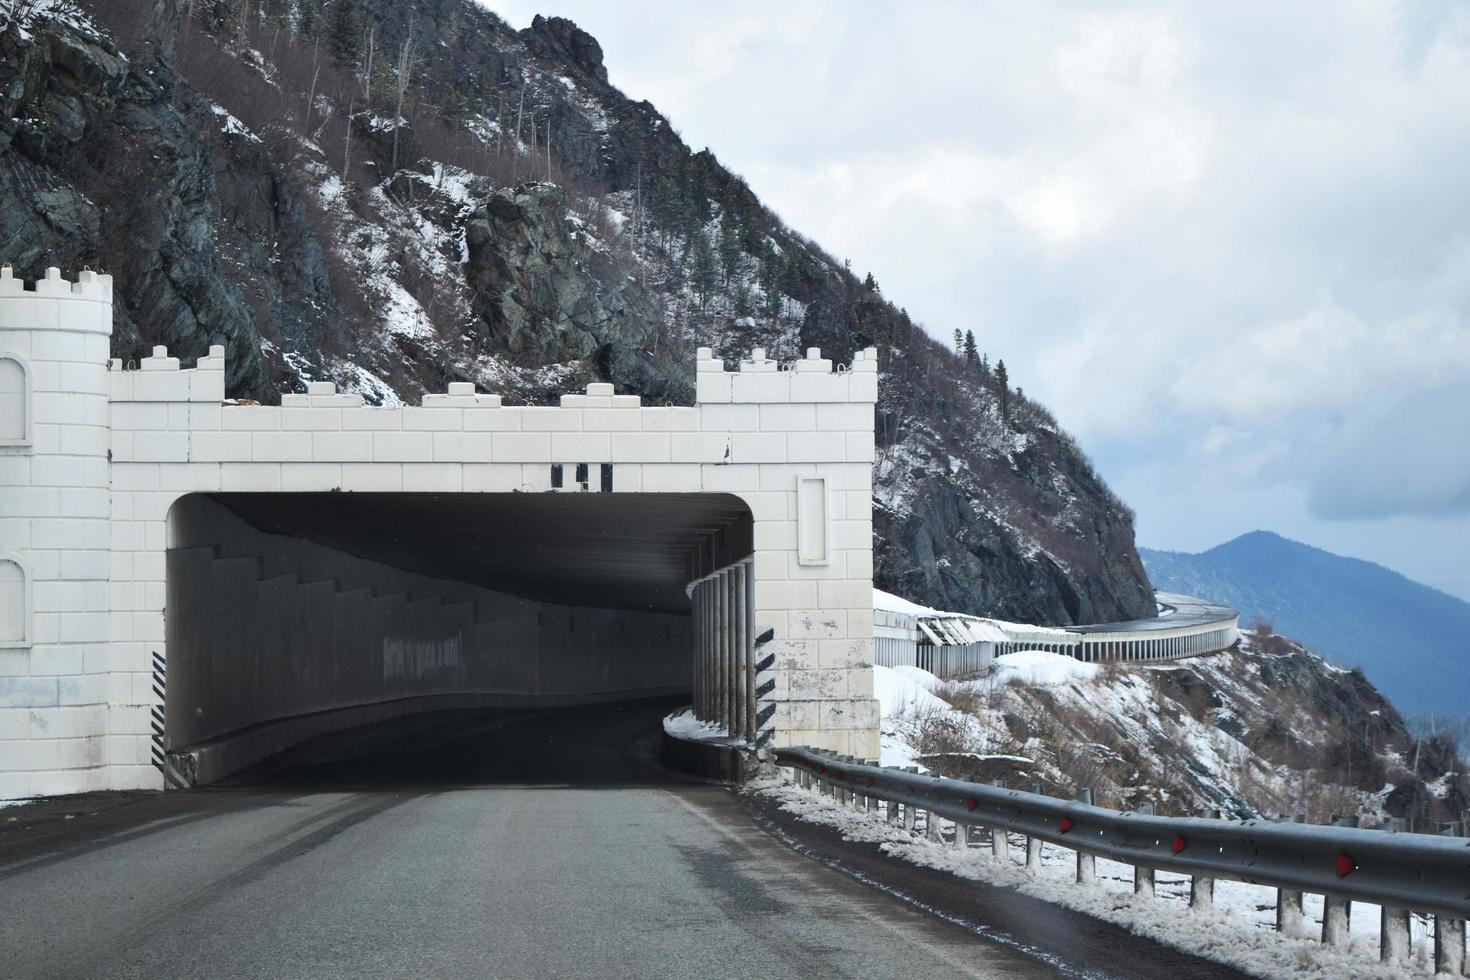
point(1228, 244)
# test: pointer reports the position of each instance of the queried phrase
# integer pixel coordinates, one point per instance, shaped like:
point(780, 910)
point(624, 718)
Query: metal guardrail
point(1402, 872)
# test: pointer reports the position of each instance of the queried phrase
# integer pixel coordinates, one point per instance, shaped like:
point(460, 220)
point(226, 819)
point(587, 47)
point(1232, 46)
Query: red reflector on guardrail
point(838, 775)
point(868, 781)
point(1066, 824)
point(1178, 844)
point(821, 768)
point(1345, 865)
point(971, 804)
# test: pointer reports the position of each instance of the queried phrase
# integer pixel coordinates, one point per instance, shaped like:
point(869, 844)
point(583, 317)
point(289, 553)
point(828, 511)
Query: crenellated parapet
point(811, 379)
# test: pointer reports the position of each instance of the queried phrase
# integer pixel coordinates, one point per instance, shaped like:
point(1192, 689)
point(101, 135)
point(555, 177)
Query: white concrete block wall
point(75, 698)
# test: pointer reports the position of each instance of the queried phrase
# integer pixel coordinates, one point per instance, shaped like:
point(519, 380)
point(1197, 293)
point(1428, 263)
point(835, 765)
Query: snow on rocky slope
point(253, 181)
point(1267, 729)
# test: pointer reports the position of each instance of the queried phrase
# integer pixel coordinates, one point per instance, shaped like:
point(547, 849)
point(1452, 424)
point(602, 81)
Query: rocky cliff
point(396, 195)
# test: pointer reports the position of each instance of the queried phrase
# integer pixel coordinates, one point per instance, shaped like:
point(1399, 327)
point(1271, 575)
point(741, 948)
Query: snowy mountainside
point(397, 195)
point(1269, 728)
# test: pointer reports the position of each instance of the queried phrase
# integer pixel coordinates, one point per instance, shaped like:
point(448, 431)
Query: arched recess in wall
point(15, 400)
point(15, 601)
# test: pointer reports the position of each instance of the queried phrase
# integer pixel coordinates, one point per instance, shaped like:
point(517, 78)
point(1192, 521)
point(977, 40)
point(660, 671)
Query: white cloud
point(1200, 233)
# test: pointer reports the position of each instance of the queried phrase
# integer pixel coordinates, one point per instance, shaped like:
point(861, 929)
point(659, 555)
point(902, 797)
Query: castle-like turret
point(55, 531)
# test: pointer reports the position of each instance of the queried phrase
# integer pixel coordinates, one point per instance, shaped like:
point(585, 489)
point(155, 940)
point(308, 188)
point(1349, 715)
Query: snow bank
point(683, 724)
point(1041, 667)
point(905, 689)
point(891, 603)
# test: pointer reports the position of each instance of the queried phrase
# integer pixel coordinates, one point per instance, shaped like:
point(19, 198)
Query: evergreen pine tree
point(1003, 380)
point(730, 243)
point(306, 18)
point(342, 31)
point(959, 341)
point(702, 273)
point(971, 355)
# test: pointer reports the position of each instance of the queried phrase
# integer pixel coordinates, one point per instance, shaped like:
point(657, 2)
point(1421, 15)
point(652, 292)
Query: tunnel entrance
point(292, 615)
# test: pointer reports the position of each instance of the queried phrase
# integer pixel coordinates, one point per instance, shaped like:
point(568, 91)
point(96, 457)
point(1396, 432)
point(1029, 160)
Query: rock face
point(269, 191)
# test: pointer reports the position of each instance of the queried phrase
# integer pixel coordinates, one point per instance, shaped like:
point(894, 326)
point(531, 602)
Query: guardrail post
point(1337, 912)
point(1393, 927)
point(1290, 920)
point(1393, 936)
point(1143, 878)
point(1202, 890)
point(1449, 945)
point(1086, 863)
point(1033, 844)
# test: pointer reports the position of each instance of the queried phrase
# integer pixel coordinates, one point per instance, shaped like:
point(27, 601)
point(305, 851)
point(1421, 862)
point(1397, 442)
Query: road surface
point(502, 845)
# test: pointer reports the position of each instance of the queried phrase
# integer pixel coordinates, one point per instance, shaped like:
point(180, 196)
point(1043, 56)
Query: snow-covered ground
point(1040, 667)
point(1240, 931)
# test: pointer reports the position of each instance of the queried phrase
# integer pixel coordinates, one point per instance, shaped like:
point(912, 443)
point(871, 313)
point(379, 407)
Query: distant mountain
point(1412, 641)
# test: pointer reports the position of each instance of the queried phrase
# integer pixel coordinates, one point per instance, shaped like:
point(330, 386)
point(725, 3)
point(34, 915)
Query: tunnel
point(292, 615)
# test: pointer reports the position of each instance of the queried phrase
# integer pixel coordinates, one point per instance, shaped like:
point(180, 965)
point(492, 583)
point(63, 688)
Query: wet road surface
point(534, 844)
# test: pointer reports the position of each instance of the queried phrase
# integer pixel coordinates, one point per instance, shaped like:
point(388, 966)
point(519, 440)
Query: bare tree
point(367, 71)
point(347, 141)
point(548, 147)
point(516, 143)
point(405, 75)
point(316, 70)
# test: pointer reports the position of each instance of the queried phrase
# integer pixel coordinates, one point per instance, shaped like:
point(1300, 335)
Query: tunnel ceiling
point(625, 550)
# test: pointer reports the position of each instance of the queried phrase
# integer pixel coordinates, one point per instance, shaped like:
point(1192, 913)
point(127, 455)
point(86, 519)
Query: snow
point(6, 803)
point(892, 603)
point(683, 724)
point(1238, 932)
point(1041, 668)
point(233, 126)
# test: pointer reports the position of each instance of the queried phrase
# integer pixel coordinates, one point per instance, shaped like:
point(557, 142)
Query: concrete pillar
point(1143, 881)
point(753, 708)
point(1086, 869)
point(1336, 913)
point(1289, 920)
point(1449, 946)
point(1000, 847)
point(696, 615)
point(742, 652)
point(1393, 945)
point(1201, 893)
point(1033, 855)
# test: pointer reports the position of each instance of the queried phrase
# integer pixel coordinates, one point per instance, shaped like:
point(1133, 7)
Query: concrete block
point(815, 623)
point(404, 447)
point(815, 447)
point(312, 419)
point(641, 447)
point(218, 447)
point(775, 535)
point(421, 419)
point(461, 447)
point(772, 387)
point(860, 448)
point(852, 535)
point(310, 477)
point(845, 417)
point(785, 595)
point(247, 477)
point(139, 415)
point(492, 477)
point(863, 388)
point(758, 447)
point(372, 477)
point(785, 417)
point(670, 419)
point(551, 420)
point(610, 420)
point(342, 447)
point(281, 447)
point(725, 477)
point(711, 387)
point(819, 387)
point(493, 420)
point(254, 418)
point(373, 419)
point(818, 684)
point(520, 447)
point(432, 477)
point(578, 447)
point(845, 652)
point(699, 447)
point(671, 478)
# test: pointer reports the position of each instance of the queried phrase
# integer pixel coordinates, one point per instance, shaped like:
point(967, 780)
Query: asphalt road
point(481, 845)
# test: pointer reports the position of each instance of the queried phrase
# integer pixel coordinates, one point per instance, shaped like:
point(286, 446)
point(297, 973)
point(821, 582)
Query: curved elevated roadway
point(503, 844)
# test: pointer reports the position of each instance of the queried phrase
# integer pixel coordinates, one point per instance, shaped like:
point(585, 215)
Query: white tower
point(55, 534)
